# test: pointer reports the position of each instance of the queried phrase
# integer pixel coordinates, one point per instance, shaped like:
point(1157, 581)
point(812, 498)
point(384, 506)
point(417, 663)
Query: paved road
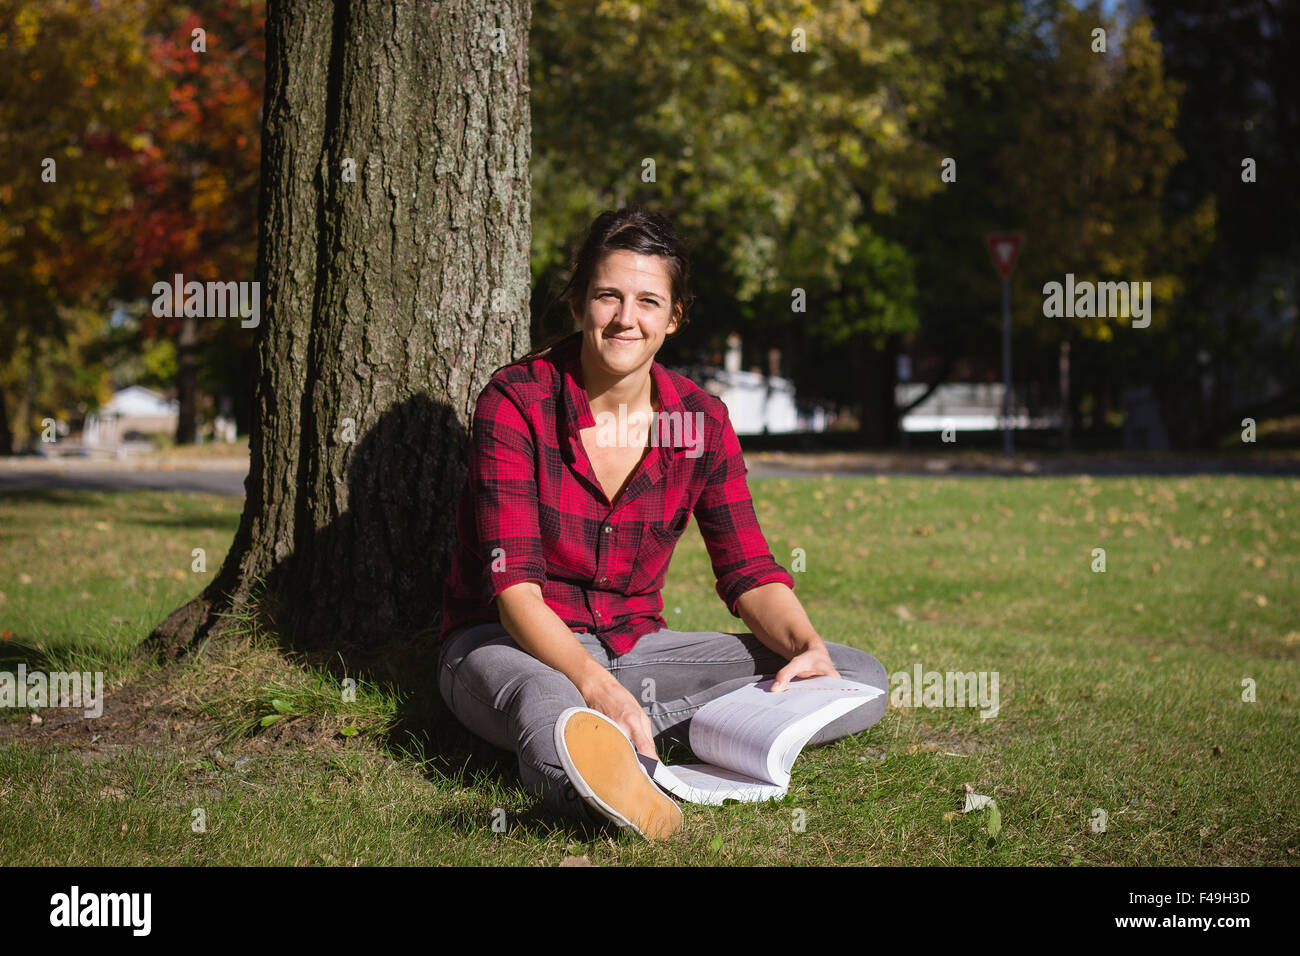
point(110, 479)
point(226, 478)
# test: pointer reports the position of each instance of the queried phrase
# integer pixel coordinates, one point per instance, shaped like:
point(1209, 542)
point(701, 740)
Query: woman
point(565, 532)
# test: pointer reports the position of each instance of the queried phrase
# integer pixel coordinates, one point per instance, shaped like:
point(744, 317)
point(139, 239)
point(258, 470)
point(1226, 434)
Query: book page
point(758, 734)
point(700, 783)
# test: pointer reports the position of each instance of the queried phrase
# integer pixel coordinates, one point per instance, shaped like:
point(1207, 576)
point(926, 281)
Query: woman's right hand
point(607, 695)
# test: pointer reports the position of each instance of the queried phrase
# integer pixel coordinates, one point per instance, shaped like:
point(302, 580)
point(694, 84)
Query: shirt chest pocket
point(653, 553)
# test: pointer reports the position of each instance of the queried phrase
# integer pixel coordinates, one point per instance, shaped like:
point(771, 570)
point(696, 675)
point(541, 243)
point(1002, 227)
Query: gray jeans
point(509, 698)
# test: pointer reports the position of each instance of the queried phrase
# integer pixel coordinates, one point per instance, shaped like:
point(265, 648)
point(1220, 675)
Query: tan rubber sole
point(607, 762)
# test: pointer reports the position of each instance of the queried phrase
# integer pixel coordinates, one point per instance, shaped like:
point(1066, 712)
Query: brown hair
point(636, 230)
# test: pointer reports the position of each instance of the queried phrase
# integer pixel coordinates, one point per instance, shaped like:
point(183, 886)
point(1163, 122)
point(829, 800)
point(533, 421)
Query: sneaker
point(604, 768)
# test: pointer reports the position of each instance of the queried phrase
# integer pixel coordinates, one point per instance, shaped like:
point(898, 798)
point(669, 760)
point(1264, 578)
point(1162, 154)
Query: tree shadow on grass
point(361, 596)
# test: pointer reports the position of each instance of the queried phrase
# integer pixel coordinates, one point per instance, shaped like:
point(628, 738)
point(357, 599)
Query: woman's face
point(627, 312)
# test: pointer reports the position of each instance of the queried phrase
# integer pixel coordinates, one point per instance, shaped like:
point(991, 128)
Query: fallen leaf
point(576, 861)
point(995, 820)
point(903, 613)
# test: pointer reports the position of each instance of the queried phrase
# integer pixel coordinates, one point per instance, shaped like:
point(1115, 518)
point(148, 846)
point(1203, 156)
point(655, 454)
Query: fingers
point(644, 743)
point(785, 675)
point(802, 668)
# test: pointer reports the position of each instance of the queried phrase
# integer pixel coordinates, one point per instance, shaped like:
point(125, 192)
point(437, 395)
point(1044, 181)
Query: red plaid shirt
point(533, 510)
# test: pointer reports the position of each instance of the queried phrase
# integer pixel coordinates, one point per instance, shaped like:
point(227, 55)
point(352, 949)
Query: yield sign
point(1004, 247)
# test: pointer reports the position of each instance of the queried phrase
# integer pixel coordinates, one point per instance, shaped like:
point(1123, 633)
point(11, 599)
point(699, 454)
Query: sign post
point(1004, 248)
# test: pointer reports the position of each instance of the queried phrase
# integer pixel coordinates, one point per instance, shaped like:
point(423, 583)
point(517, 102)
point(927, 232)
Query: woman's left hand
point(814, 662)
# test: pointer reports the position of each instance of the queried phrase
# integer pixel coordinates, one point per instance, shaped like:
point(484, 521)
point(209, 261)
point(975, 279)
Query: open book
point(752, 736)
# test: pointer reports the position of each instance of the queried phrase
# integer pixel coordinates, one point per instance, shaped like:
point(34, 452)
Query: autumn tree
point(1087, 169)
point(193, 179)
point(393, 256)
point(70, 86)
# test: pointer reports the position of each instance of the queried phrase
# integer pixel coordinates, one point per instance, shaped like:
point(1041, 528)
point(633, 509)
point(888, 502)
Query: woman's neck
point(606, 393)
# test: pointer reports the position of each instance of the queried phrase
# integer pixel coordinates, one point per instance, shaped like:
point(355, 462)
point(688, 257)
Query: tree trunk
point(387, 303)
point(879, 424)
point(6, 433)
point(187, 373)
point(1063, 372)
point(31, 440)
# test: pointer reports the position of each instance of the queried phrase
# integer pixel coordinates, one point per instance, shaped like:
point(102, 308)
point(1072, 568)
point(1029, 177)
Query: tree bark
point(879, 424)
point(1063, 373)
point(387, 303)
point(187, 374)
point(6, 433)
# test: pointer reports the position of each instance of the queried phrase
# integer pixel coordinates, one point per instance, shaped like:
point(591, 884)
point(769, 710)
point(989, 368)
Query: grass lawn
point(1119, 691)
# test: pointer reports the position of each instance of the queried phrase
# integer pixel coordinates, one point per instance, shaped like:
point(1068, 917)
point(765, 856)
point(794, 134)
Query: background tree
point(1236, 346)
point(194, 186)
point(782, 137)
point(1087, 171)
point(389, 300)
point(979, 53)
point(70, 85)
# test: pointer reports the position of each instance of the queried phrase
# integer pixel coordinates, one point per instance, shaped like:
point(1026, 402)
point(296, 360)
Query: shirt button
point(607, 529)
point(602, 580)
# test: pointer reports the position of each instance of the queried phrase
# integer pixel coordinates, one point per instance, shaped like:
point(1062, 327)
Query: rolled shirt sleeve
point(725, 515)
point(503, 481)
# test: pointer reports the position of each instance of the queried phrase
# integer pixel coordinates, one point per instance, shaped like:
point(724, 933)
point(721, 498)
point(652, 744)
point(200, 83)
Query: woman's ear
point(675, 321)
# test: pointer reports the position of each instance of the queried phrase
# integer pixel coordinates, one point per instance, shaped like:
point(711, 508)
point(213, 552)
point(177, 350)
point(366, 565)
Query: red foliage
point(194, 162)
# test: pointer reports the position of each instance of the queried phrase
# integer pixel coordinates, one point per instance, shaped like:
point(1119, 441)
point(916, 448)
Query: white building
point(964, 406)
point(756, 403)
point(134, 409)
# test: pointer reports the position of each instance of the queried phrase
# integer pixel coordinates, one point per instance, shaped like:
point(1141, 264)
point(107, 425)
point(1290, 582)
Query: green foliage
point(775, 158)
point(1089, 164)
